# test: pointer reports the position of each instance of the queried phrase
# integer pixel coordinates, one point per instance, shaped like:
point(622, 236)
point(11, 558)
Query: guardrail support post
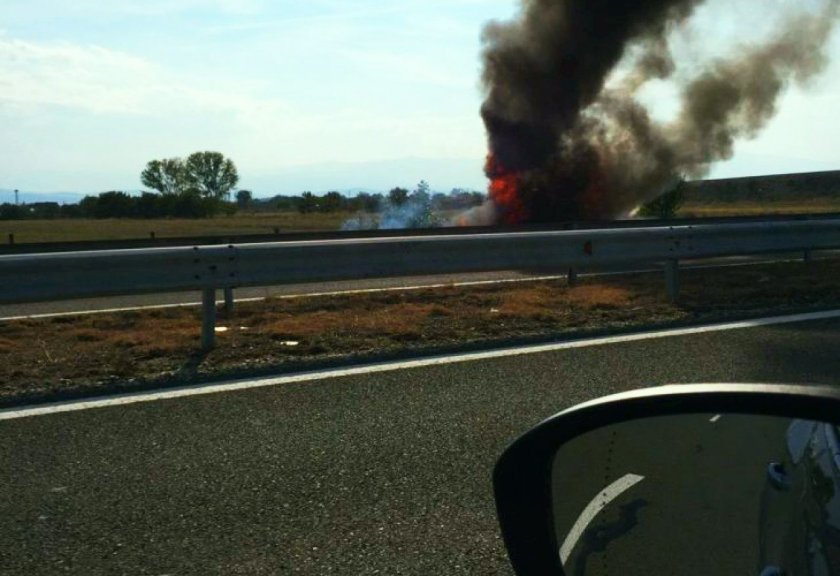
point(572, 277)
point(672, 279)
point(807, 256)
point(228, 300)
point(208, 319)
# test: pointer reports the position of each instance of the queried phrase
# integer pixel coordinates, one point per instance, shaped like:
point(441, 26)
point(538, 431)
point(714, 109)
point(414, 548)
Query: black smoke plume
point(575, 146)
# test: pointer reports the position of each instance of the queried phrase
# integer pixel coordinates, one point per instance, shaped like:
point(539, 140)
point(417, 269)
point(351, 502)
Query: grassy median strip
point(76, 356)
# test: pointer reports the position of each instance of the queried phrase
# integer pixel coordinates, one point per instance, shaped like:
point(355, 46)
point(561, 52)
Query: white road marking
point(597, 504)
point(203, 389)
point(715, 418)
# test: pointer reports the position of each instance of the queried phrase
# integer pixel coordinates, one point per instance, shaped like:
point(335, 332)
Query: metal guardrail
point(61, 276)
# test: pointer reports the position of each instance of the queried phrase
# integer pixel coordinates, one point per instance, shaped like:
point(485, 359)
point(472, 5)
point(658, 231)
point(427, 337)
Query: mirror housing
point(522, 478)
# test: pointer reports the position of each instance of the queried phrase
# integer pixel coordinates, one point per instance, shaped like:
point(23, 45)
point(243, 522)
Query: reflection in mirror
point(700, 494)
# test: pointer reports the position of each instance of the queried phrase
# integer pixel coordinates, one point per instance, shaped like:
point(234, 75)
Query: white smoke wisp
point(415, 212)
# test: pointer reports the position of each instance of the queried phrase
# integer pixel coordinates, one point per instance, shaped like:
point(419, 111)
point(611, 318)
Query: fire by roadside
point(79, 356)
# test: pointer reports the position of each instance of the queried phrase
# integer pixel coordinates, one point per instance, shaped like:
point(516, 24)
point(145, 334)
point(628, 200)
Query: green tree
point(398, 196)
point(114, 204)
point(666, 205)
point(87, 205)
point(166, 176)
point(367, 202)
point(210, 174)
point(11, 212)
point(244, 198)
point(331, 202)
point(148, 205)
point(422, 195)
point(284, 203)
point(308, 203)
point(191, 204)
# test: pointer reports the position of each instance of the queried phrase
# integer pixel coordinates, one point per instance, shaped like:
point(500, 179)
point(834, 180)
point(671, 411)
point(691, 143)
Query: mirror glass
point(700, 494)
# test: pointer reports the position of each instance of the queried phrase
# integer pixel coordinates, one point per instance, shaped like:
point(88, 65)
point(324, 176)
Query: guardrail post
point(11, 239)
point(807, 256)
point(672, 279)
point(228, 300)
point(208, 318)
point(572, 277)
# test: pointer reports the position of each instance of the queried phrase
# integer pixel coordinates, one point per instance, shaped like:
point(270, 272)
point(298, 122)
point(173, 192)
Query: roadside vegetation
point(694, 209)
point(83, 355)
point(808, 193)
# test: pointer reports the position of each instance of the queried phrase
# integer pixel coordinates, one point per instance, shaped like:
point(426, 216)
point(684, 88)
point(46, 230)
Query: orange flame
point(504, 191)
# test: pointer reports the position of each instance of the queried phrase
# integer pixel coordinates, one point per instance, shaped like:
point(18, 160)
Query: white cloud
point(87, 77)
point(76, 106)
point(97, 80)
point(96, 9)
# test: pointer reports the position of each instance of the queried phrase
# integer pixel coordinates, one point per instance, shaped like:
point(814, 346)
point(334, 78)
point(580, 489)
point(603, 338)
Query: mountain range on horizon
point(7, 196)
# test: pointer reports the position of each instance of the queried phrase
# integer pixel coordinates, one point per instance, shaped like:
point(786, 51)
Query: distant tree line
point(39, 211)
point(116, 204)
point(307, 202)
point(201, 186)
point(149, 205)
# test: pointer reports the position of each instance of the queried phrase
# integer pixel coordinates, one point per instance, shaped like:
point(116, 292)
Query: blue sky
point(314, 95)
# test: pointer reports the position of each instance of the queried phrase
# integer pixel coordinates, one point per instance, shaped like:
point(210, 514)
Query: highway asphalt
point(380, 473)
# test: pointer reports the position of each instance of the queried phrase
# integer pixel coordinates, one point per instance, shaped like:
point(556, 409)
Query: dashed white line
point(714, 419)
point(203, 389)
point(597, 504)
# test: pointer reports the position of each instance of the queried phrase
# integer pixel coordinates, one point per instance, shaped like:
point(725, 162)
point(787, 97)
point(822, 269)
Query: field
point(68, 230)
point(749, 208)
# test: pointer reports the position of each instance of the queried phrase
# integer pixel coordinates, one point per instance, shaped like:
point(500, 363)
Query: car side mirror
point(689, 479)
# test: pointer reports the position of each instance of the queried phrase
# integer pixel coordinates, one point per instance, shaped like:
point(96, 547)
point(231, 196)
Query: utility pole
point(17, 203)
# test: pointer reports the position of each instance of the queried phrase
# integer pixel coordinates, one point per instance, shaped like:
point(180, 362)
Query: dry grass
point(67, 230)
point(63, 356)
point(29, 231)
point(747, 208)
